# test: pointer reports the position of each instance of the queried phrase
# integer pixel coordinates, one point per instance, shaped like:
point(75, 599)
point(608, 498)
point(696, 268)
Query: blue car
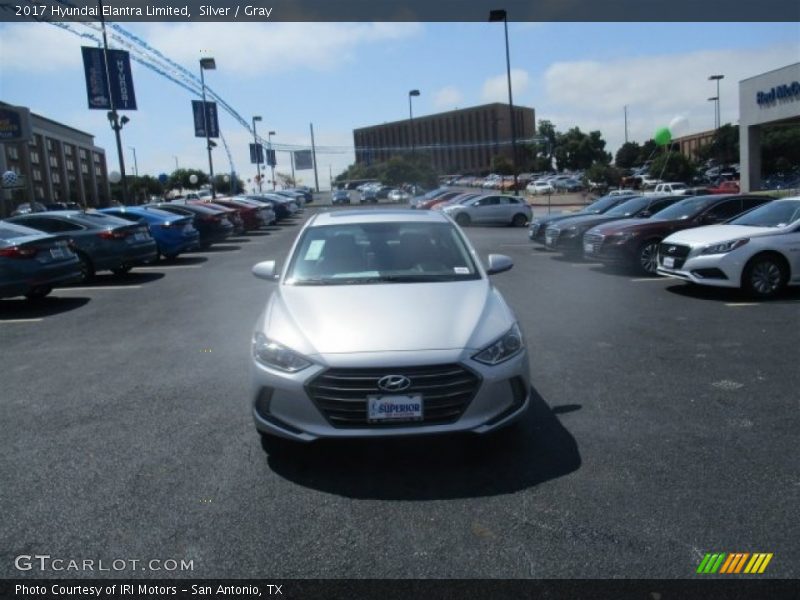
point(173, 233)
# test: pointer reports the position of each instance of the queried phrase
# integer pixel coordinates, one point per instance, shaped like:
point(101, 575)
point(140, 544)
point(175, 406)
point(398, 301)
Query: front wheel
point(463, 220)
point(764, 277)
point(86, 266)
point(647, 257)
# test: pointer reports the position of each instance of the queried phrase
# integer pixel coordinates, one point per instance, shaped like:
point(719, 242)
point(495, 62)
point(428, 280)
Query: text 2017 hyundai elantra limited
point(384, 323)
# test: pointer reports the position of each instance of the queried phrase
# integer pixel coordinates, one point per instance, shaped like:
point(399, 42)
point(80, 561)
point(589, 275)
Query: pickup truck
point(725, 187)
point(669, 189)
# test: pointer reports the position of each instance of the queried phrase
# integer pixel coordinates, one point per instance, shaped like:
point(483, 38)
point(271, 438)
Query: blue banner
point(211, 119)
point(271, 158)
point(256, 154)
point(119, 69)
point(302, 160)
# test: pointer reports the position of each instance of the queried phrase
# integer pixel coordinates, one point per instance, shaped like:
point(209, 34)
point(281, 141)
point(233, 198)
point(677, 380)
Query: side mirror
point(265, 270)
point(499, 263)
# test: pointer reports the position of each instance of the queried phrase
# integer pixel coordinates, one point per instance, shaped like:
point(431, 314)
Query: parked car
point(342, 350)
point(272, 211)
point(32, 262)
point(725, 187)
point(231, 214)
point(539, 225)
point(567, 234)
point(509, 210)
point(306, 192)
point(634, 242)
point(63, 206)
point(340, 197)
point(758, 251)
point(173, 234)
point(285, 207)
point(212, 224)
point(537, 188)
point(567, 185)
point(29, 207)
point(674, 188)
point(265, 210)
point(448, 195)
point(249, 216)
point(398, 195)
point(460, 199)
point(102, 242)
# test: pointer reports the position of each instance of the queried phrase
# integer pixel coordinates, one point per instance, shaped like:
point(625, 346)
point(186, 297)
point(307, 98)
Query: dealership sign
point(15, 124)
point(119, 69)
point(784, 92)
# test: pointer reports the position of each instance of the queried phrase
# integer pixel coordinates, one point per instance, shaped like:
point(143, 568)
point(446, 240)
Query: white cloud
point(591, 94)
point(495, 89)
point(447, 98)
point(39, 48)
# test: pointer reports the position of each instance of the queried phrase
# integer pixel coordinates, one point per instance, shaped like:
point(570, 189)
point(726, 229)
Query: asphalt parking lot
point(664, 426)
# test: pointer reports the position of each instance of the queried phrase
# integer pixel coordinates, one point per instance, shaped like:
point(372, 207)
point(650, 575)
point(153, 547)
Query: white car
point(759, 251)
point(539, 187)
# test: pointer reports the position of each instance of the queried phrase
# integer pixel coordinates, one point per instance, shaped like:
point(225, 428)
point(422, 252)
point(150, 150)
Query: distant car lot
point(650, 396)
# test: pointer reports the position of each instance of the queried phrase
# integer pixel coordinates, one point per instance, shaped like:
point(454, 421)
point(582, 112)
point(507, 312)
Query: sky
point(341, 76)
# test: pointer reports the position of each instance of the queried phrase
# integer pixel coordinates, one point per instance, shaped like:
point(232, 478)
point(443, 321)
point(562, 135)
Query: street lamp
point(176, 161)
point(716, 78)
point(494, 17)
point(135, 163)
point(258, 158)
point(411, 119)
point(117, 123)
point(207, 64)
point(715, 100)
point(271, 162)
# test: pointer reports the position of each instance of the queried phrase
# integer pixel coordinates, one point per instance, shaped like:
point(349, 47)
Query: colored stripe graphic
point(741, 562)
point(765, 563)
point(727, 564)
point(734, 563)
point(703, 563)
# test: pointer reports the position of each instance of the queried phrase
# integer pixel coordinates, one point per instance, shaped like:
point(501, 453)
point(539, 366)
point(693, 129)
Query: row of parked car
point(727, 240)
point(476, 208)
point(40, 250)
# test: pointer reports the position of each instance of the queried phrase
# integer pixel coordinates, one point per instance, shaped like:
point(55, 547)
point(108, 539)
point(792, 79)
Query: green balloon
point(663, 136)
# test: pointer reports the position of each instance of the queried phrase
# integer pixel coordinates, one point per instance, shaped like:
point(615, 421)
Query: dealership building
point(768, 100)
point(58, 164)
point(458, 141)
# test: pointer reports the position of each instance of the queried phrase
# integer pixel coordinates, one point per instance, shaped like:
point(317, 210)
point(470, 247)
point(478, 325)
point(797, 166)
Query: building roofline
point(797, 64)
point(38, 116)
point(503, 106)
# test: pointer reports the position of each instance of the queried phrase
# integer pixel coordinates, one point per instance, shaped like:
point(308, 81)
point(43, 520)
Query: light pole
point(176, 161)
point(271, 162)
point(135, 163)
point(716, 78)
point(258, 158)
point(411, 94)
point(495, 16)
point(715, 100)
point(207, 64)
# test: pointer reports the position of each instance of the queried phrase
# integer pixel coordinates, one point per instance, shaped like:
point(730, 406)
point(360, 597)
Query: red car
point(428, 204)
point(251, 219)
point(233, 214)
point(726, 187)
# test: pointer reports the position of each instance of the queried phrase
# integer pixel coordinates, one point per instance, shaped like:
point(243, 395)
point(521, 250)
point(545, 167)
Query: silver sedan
point(492, 209)
point(385, 323)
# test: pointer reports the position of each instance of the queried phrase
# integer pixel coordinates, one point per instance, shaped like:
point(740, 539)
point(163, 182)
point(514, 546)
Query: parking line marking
point(19, 320)
point(168, 267)
point(99, 287)
point(742, 304)
point(216, 252)
point(650, 279)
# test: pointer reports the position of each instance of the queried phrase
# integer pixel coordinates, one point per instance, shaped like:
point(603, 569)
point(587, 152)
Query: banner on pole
point(211, 119)
point(119, 69)
point(256, 154)
point(271, 158)
point(302, 160)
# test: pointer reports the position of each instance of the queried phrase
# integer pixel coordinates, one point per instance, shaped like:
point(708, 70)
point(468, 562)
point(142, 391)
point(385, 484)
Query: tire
point(169, 256)
point(463, 220)
point(121, 271)
point(519, 220)
point(765, 276)
point(647, 257)
point(87, 268)
point(39, 292)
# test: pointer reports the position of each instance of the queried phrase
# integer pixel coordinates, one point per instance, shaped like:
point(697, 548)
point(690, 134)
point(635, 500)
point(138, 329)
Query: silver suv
point(384, 323)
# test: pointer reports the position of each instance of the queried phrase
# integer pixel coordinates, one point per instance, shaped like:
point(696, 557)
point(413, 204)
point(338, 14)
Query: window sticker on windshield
point(314, 250)
point(461, 270)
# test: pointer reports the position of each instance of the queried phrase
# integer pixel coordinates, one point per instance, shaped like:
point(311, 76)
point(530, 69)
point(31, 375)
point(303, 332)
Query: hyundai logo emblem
point(394, 383)
point(671, 249)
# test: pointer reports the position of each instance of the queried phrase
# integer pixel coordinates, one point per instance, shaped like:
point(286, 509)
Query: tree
point(724, 147)
point(180, 178)
point(672, 166)
point(285, 180)
point(228, 187)
point(577, 150)
point(647, 152)
point(780, 149)
point(628, 155)
point(502, 165)
point(603, 174)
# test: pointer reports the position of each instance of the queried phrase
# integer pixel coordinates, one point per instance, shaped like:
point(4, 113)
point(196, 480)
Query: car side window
point(749, 202)
point(52, 225)
point(724, 210)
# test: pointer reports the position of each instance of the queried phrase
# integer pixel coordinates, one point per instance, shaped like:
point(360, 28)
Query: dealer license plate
point(669, 262)
point(588, 248)
point(394, 408)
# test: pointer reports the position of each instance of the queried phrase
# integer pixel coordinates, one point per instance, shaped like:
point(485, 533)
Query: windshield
point(685, 209)
point(601, 205)
point(629, 207)
point(367, 253)
point(772, 214)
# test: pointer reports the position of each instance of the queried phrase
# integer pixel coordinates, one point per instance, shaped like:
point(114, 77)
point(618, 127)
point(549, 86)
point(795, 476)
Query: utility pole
point(314, 158)
point(257, 151)
point(626, 123)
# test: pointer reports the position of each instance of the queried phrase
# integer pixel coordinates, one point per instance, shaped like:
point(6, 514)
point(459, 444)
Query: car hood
point(618, 226)
point(712, 234)
point(547, 220)
point(386, 317)
point(585, 221)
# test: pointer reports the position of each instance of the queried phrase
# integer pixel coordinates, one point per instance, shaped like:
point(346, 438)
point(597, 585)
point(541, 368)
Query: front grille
point(551, 235)
point(341, 394)
point(675, 251)
point(595, 240)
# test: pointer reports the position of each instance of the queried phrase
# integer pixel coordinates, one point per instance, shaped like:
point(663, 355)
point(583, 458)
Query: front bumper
point(282, 405)
point(718, 270)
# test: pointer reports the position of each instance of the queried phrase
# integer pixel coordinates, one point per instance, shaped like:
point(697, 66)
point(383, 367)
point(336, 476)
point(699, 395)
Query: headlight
point(570, 231)
point(725, 246)
point(272, 354)
point(508, 345)
point(626, 236)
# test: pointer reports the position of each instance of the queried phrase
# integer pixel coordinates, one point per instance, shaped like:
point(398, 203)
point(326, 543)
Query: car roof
point(341, 217)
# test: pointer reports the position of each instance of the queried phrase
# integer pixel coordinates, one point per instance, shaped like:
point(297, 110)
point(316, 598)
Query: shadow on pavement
point(535, 450)
point(221, 248)
point(36, 309)
point(110, 280)
point(259, 233)
point(239, 239)
point(720, 294)
point(183, 259)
